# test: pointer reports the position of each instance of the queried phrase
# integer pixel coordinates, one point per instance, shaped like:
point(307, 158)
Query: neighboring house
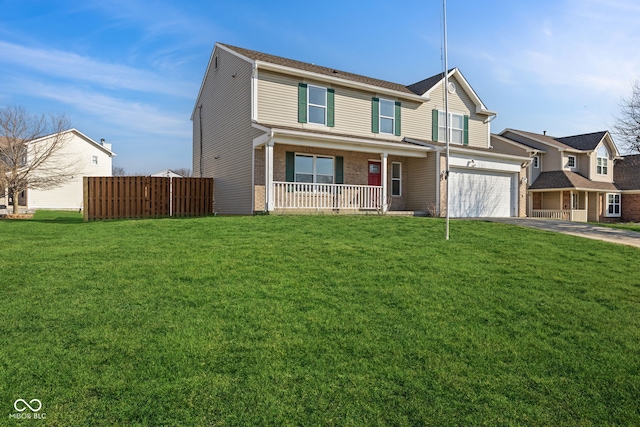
point(280, 135)
point(574, 177)
point(167, 173)
point(626, 176)
point(90, 158)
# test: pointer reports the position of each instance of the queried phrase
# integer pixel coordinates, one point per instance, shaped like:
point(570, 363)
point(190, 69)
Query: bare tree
point(32, 152)
point(185, 172)
point(118, 171)
point(627, 125)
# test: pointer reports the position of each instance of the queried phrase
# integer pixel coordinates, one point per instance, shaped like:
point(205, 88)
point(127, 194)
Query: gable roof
point(424, 86)
point(106, 149)
point(626, 173)
point(326, 71)
point(584, 142)
point(567, 179)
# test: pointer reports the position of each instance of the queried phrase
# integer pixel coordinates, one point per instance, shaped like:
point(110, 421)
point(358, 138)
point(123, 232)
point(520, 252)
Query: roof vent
point(544, 132)
point(335, 71)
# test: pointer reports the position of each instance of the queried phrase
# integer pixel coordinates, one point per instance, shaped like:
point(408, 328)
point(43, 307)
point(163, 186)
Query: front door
point(375, 177)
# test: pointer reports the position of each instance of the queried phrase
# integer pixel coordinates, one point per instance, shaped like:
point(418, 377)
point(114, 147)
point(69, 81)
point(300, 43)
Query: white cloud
point(74, 67)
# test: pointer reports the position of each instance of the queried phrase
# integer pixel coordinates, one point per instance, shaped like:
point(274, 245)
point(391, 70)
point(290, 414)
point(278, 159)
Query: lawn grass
point(316, 320)
point(633, 226)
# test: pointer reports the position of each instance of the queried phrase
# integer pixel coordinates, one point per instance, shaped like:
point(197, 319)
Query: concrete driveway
point(580, 229)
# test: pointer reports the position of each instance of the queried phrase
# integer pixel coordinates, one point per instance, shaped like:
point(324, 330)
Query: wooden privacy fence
point(115, 197)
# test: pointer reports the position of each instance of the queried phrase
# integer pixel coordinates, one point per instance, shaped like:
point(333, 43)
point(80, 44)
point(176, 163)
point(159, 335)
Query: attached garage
point(482, 193)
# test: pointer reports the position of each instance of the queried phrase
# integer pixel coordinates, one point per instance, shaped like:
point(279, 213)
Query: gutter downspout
point(200, 128)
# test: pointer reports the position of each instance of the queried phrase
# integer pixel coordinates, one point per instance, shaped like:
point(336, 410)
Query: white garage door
point(476, 193)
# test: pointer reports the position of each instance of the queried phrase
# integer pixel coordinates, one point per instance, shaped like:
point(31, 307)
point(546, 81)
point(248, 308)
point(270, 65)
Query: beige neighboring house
point(91, 158)
point(578, 177)
point(280, 135)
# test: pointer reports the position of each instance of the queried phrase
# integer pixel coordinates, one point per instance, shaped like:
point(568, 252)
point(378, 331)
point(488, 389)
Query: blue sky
point(129, 71)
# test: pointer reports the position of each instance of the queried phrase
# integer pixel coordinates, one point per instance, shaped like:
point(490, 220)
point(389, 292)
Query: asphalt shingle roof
point(584, 142)
point(566, 179)
point(423, 86)
point(278, 60)
point(626, 173)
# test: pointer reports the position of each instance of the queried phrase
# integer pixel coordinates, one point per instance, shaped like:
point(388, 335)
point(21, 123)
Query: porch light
point(471, 164)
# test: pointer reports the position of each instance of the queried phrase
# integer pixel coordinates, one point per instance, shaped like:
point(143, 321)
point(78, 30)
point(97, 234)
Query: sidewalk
point(580, 229)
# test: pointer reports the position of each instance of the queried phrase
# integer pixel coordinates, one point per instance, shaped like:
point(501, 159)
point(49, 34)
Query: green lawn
point(633, 226)
point(315, 320)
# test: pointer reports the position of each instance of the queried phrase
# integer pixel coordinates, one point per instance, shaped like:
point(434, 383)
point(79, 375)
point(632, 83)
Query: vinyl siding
point(226, 134)
point(459, 103)
point(594, 170)
point(552, 157)
point(70, 196)
point(421, 184)
point(551, 200)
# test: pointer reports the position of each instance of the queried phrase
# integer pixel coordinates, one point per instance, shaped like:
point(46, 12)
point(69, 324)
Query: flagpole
point(446, 110)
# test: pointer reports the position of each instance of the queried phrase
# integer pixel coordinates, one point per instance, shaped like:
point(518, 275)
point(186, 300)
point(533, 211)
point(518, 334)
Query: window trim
point(608, 204)
point(602, 169)
point(309, 105)
point(442, 124)
point(575, 161)
point(399, 179)
point(94, 157)
point(536, 162)
point(392, 117)
point(314, 173)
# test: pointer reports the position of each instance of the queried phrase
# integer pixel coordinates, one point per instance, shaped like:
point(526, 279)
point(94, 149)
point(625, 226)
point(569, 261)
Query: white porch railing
point(296, 195)
point(579, 215)
point(551, 213)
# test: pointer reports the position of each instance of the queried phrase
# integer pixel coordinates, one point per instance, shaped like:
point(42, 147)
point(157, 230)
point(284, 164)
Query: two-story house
point(281, 135)
point(570, 177)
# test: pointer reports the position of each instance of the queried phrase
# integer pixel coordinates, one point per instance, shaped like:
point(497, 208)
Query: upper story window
point(536, 162)
point(571, 162)
point(94, 160)
point(316, 104)
point(458, 127)
point(385, 116)
point(602, 161)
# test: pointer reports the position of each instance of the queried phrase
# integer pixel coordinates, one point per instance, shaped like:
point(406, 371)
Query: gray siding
point(227, 134)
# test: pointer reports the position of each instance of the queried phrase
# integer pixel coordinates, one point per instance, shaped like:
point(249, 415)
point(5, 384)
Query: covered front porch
point(569, 205)
point(298, 171)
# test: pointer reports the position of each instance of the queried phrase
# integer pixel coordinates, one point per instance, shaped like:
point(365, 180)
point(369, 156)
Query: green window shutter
point(290, 166)
point(375, 115)
point(339, 170)
point(434, 125)
point(397, 124)
point(331, 95)
point(465, 140)
point(302, 102)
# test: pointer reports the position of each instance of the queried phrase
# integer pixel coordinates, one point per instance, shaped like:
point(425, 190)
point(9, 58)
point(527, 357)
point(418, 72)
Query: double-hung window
point(387, 116)
point(458, 127)
point(316, 104)
point(314, 169)
point(396, 179)
point(602, 159)
point(571, 162)
point(613, 204)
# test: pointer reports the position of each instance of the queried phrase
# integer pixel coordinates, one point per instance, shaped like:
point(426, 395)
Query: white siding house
point(91, 158)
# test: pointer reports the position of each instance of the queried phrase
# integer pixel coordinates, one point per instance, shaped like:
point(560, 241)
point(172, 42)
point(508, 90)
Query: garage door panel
point(481, 194)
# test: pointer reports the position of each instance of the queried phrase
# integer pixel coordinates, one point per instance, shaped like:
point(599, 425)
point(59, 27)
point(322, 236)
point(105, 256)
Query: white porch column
point(268, 169)
point(384, 157)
